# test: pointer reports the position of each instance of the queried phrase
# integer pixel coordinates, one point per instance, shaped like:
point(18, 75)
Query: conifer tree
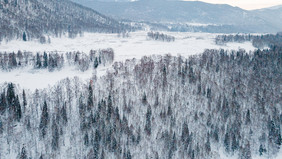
point(55, 136)
point(44, 120)
point(96, 63)
point(38, 61)
point(23, 153)
point(148, 120)
point(24, 36)
point(24, 101)
point(45, 60)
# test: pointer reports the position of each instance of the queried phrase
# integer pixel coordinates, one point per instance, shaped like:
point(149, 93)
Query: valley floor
point(136, 46)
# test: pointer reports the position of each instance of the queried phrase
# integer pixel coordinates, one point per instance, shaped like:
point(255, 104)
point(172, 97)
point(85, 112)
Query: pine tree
point(76, 58)
point(10, 95)
point(90, 97)
point(1, 127)
point(128, 155)
point(55, 136)
point(18, 111)
point(24, 36)
point(169, 111)
point(96, 145)
point(3, 102)
point(234, 144)
point(38, 61)
point(247, 151)
point(44, 120)
point(227, 142)
point(148, 120)
point(23, 153)
point(248, 117)
point(86, 140)
point(13, 61)
point(173, 146)
point(208, 144)
point(261, 150)
point(144, 98)
point(13, 103)
point(215, 134)
point(102, 154)
point(164, 77)
point(96, 63)
point(45, 60)
point(110, 107)
point(64, 114)
point(24, 101)
point(185, 136)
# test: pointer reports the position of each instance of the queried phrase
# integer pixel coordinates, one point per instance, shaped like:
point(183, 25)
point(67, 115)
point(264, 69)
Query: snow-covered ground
point(135, 46)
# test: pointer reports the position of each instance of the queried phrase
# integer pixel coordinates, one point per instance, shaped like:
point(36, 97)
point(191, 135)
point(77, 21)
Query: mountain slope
point(183, 11)
point(36, 17)
point(273, 14)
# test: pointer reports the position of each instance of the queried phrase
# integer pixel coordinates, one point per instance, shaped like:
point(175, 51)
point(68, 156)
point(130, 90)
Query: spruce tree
point(248, 117)
point(23, 153)
point(55, 136)
point(110, 107)
point(24, 36)
point(64, 114)
point(44, 120)
point(45, 60)
point(96, 63)
point(3, 102)
point(24, 101)
point(227, 142)
point(90, 97)
point(18, 111)
point(148, 120)
point(38, 61)
point(13, 103)
point(1, 127)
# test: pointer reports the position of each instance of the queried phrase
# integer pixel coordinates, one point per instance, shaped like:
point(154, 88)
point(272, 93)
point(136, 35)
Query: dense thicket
point(27, 19)
point(258, 41)
point(55, 61)
point(156, 107)
point(160, 37)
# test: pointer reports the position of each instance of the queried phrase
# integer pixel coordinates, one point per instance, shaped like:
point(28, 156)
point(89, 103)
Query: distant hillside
point(273, 14)
point(37, 17)
point(164, 11)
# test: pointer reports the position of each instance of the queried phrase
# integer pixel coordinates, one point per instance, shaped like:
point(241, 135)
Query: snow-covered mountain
point(235, 18)
point(38, 17)
point(272, 14)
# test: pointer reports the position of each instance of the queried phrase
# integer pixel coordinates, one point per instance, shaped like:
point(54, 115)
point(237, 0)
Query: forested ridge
point(34, 19)
point(156, 107)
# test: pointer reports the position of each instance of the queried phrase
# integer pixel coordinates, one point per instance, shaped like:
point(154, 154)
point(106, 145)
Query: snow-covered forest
point(156, 107)
point(55, 60)
point(77, 84)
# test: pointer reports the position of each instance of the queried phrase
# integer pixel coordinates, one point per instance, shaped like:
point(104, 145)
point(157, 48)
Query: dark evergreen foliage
point(44, 121)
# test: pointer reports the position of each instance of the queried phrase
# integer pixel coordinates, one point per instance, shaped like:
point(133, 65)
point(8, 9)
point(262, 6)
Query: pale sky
point(246, 4)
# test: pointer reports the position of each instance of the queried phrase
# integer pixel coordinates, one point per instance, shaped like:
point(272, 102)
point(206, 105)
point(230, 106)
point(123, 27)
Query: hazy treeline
point(258, 41)
point(160, 36)
point(55, 60)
